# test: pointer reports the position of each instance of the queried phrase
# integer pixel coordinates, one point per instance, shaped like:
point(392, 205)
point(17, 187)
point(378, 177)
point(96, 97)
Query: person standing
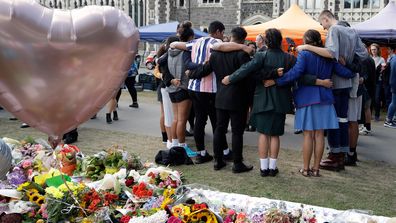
point(389, 122)
point(270, 105)
point(380, 87)
point(344, 45)
point(260, 43)
point(131, 80)
point(314, 104)
point(203, 90)
point(231, 103)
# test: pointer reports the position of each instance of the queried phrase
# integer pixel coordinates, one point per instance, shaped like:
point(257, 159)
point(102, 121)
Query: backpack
point(173, 157)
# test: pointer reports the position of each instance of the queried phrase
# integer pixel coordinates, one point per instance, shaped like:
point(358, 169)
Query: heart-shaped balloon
point(58, 68)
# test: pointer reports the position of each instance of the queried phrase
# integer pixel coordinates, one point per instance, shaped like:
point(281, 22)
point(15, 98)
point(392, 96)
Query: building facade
point(231, 12)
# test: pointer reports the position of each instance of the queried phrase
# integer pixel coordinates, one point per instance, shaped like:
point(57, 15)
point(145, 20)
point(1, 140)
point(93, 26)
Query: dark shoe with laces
point(273, 172)
point(241, 167)
point(350, 160)
point(264, 173)
point(203, 159)
point(219, 164)
point(229, 156)
point(134, 105)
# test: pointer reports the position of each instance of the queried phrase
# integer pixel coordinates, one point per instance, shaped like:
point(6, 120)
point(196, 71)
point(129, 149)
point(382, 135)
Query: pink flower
point(26, 164)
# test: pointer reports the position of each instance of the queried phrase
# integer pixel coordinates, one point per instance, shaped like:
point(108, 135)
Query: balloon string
point(58, 166)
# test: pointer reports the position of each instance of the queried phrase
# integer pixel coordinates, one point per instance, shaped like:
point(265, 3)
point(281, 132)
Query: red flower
point(129, 182)
point(125, 219)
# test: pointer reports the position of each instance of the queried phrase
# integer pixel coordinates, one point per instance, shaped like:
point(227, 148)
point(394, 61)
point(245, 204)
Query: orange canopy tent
point(293, 24)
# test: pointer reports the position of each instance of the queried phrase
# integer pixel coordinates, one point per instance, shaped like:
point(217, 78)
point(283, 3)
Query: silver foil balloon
point(59, 67)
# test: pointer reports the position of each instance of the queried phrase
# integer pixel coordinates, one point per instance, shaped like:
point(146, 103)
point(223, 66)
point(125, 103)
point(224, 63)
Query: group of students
point(322, 84)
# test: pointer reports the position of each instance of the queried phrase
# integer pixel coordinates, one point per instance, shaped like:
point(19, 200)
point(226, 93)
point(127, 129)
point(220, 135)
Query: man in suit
point(231, 101)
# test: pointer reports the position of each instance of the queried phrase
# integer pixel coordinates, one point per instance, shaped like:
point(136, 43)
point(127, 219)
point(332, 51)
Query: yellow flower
point(31, 192)
point(40, 201)
point(22, 186)
point(86, 220)
point(54, 192)
point(40, 221)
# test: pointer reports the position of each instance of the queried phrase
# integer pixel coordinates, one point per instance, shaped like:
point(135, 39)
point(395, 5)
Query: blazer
point(275, 98)
point(228, 97)
point(322, 68)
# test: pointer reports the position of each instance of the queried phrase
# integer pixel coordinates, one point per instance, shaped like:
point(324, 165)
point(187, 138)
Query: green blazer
point(275, 98)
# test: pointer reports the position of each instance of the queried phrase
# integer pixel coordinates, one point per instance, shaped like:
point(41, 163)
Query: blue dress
point(315, 110)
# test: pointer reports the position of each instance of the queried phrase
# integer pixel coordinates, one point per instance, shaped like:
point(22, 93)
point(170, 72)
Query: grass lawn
point(369, 186)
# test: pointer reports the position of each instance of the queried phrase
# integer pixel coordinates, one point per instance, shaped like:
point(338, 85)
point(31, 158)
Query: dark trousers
point(338, 139)
point(238, 122)
point(382, 94)
point(130, 84)
point(204, 106)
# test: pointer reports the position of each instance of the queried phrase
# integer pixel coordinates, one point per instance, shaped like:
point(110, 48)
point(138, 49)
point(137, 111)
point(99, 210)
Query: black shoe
point(13, 119)
point(229, 156)
point(298, 131)
point(134, 105)
point(24, 125)
point(241, 167)
point(273, 172)
point(350, 160)
point(70, 139)
point(203, 159)
point(115, 116)
point(188, 134)
point(93, 117)
point(108, 118)
point(264, 173)
point(218, 165)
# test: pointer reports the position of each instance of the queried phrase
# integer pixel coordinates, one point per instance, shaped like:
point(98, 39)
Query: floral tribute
point(112, 186)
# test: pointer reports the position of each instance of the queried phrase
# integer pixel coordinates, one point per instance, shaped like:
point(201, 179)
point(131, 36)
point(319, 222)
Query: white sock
point(182, 144)
point(226, 151)
point(168, 144)
point(203, 152)
point(264, 164)
point(272, 164)
point(175, 142)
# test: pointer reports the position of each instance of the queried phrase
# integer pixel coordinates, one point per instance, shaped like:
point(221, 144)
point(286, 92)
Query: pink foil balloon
point(58, 68)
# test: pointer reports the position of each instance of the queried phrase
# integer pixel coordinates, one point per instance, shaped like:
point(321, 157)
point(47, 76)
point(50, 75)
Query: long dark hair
point(186, 32)
point(313, 37)
point(273, 38)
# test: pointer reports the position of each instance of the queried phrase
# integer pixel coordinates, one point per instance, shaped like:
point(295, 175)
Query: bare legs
point(313, 143)
point(181, 112)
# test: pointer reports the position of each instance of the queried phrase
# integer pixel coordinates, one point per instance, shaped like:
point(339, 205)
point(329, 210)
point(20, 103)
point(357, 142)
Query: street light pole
point(189, 10)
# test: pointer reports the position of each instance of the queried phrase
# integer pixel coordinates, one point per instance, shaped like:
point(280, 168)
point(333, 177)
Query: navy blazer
point(322, 68)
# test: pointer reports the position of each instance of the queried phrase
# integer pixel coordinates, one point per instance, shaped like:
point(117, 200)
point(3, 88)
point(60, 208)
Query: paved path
point(380, 146)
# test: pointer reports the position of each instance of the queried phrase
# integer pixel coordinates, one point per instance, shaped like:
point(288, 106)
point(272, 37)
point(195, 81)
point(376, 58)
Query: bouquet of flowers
point(67, 157)
point(163, 177)
point(114, 160)
point(142, 191)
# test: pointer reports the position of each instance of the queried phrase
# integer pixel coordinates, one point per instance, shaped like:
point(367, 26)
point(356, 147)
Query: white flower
point(160, 216)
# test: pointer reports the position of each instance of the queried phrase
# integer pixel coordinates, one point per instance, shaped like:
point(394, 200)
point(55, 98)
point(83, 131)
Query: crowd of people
point(331, 87)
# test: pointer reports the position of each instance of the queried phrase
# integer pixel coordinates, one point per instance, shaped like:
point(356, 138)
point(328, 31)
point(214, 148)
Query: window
point(356, 4)
point(318, 4)
point(181, 3)
point(310, 4)
point(210, 1)
point(301, 3)
point(347, 4)
point(366, 4)
point(375, 3)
